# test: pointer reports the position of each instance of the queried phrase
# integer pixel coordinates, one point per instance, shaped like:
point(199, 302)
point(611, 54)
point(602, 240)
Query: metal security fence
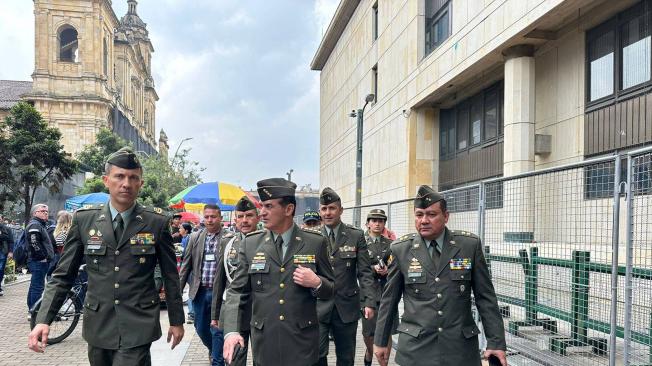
point(570, 252)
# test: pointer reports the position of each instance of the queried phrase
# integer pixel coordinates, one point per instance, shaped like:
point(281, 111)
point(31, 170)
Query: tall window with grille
point(438, 23)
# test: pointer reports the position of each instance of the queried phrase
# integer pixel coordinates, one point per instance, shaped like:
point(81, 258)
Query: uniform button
point(281, 285)
point(439, 296)
point(462, 276)
point(144, 250)
point(440, 312)
point(117, 302)
point(281, 301)
point(416, 291)
point(440, 329)
point(116, 269)
point(258, 282)
point(117, 252)
point(436, 279)
point(282, 269)
point(281, 317)
point(116, 285)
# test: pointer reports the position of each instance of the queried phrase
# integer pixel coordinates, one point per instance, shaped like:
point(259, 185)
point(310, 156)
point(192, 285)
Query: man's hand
point(502, 356)
point(41, 332)
point(215, 324)
point(175, 334)
point(369, 312)
point(305, 277)
point(382, 271)
point(229, 344)
point(382, 354)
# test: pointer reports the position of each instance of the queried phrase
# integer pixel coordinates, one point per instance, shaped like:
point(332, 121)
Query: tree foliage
point(33, 156)
point(93, 157)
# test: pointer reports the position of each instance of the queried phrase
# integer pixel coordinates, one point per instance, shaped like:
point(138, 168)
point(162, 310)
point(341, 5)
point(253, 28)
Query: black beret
point(376, 213)
point(311, 216)
point(244, 204)
point(426, 196)
point(124, 158)
point(275, 188)
point(328, 196)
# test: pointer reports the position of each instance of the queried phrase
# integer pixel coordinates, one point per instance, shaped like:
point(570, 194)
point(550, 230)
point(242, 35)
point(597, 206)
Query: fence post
point(629, 259)
point(530, 288)
point(615, 237)
point(481, 212)
point(580, 300)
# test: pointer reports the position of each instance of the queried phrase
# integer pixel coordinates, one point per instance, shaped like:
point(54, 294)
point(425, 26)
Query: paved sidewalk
point(14, 328)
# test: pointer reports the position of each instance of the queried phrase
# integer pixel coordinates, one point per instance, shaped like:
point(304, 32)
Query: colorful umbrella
point(189, 217)
point(195, 197)
point(85, 200)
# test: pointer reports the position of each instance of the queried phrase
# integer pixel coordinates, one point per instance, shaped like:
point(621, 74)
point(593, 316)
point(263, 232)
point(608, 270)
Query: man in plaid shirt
point(201, 258)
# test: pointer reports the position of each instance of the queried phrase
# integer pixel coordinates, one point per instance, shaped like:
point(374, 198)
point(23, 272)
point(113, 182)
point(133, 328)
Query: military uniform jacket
point(437, 327)
point(379, 249)
point(121, 309)
point(229, 258)
point(284, 324)
point(351, 263)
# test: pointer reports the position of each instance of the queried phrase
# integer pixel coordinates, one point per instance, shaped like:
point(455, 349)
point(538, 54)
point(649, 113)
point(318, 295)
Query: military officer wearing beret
point(381, 255)
point(122, 241)
point(435, 271)
point(246, 221)
point(283, 271)
point(349, 257)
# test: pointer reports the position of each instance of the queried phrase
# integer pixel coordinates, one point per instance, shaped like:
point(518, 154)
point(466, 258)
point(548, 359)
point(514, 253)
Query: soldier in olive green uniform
point(380, 254)
point(122, 242)
point(435, 271)
point(283, 271)
point(351, 264)
point(246, 216)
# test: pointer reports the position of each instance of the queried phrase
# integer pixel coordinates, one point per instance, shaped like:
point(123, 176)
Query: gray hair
point(37, 207)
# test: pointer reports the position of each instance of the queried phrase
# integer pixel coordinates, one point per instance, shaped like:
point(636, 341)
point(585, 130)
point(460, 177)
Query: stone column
point(518, 195)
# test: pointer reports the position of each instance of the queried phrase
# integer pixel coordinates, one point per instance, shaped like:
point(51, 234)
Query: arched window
point(68, 45)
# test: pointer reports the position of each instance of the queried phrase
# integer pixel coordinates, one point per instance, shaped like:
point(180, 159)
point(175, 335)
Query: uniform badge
point(415, 245)
point(91, 232)
point(258, 262)
point(142, 239)
point(99, 233)
point(141, 260)
point(94, 243)
point(462, 288)
point(298, 238)
point(415, 269)
point(460, 263)
point(304, 259)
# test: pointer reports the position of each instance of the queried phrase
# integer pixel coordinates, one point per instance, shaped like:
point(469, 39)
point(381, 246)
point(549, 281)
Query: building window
point(491, 114)
point(476, 120)
point(447, 132)
point(105, 59)
point(374, 22)
point(619, 53)
point(463, 127)
point(68, 45)
point(374, 82)
point(438, 24)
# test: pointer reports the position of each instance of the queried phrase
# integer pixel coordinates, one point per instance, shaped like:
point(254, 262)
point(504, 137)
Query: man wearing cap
point(311, 219)
point(122, 241)
point(435, 270)
point(176, 223)
point(380, 254)
point(349, 257)
point(246, 221)
point(282, 271)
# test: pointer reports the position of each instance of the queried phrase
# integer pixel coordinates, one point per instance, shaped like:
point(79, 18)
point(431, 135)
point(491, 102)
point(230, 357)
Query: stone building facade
point(92, 71)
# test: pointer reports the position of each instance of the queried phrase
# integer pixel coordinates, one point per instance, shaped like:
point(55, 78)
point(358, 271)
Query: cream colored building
point(92, 71)
point(470, 89)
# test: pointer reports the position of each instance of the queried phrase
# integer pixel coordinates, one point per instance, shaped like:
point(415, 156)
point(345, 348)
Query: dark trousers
point(211, 337)
point(53, 264)
point(344, 336)
point(137, 356)
point(3, 262)
point(37, 283)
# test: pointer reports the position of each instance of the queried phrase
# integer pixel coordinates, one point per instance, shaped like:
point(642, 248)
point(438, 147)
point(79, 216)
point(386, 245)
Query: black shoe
point(367, 363)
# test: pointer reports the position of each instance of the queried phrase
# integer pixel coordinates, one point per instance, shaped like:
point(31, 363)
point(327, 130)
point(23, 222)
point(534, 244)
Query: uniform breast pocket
point(417, 287)
point(259, 276)
point(461, 281)
point(95, 256)
point(144, 253)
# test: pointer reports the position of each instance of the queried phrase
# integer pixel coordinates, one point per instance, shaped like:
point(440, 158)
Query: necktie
point(119, 228)
point(331, 242)
point(279, 246)
point(434, 251)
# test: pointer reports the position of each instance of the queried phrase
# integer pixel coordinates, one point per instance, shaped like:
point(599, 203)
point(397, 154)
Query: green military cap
point(376, 213)
point(426, 196)
point(328, 196)
point(311, 216)
point(124, 158)
point(275, 188)
point(244, 204)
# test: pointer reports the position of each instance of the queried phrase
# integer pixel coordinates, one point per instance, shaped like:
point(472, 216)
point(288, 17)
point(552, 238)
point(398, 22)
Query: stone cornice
point(338, 24)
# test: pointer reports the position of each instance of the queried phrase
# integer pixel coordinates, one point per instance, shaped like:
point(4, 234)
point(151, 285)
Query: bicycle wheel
point(64, 322)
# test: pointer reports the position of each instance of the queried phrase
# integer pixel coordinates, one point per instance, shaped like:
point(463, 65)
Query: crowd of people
point(283, 289)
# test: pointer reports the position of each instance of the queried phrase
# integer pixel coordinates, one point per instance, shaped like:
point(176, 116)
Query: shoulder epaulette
point(228, 235)
point(311, 231)
point(90, 208)
point(353, 227)
point(156, 210)
point(255, 232)
point(464, 233)
point(405, 237)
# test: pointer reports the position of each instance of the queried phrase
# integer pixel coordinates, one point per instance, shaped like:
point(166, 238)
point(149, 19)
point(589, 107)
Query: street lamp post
point(174, 157)
point(358, 159)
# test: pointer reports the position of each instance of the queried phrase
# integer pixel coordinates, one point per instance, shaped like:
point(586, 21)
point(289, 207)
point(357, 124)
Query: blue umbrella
point(86, 200)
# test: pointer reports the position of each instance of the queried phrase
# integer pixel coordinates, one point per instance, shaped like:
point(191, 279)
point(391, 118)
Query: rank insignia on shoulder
point(304, 259)
point(158, 210)
point(255, 232)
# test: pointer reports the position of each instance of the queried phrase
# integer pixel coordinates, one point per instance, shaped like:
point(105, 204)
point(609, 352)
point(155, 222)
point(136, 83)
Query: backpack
point(21, 251)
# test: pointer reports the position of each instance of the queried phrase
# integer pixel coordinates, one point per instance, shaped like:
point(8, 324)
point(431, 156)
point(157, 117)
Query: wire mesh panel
point(639, 306)
point(462, 204)
point(401, 217)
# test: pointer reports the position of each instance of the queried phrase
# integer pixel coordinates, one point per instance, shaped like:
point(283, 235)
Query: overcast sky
point(232, 74)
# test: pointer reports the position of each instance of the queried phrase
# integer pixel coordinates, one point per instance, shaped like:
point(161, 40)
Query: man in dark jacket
point(6, 248)
point(40, 252)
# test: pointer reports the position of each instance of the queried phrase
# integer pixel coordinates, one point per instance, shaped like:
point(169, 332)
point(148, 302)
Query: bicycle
point(67, 317)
